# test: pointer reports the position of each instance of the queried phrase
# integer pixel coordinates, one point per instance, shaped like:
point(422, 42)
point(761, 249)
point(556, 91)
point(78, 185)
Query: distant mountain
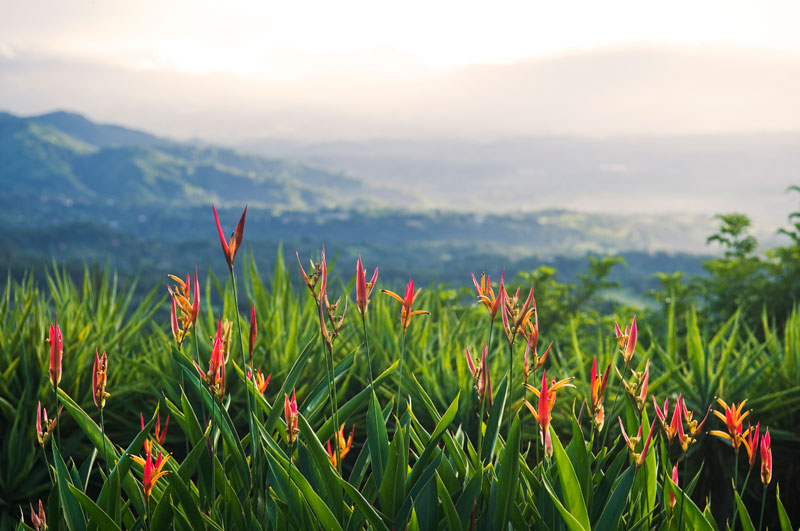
point(65, 157)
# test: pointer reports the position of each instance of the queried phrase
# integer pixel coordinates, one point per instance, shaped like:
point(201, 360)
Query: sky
point(280, 40)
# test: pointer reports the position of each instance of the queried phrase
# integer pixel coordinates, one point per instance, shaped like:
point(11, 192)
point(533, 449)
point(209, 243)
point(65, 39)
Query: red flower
point(344, 446)
point(627, 340)
point(751, 445)
point(99, 376)
point(733, 419)
point(290, 412)
point(56, 352)
point(674, 480)
point(533, 341)
point(405, 310)
point(364, 288)
point(638, 458)
point(598, 389)
point(43, 432)
point(152, 472)
point(229, 249)
point(766, 459)
point(186, 296)
point(261, 382)
point(38, 521)
point(486, 294)
point(543, 413)
point(481, 378)
point(215, 377)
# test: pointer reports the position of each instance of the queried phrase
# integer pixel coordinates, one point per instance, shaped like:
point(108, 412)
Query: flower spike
point(292, 419)
point(364, 288)
point(766, 459)
point(229, 249)
point(56, 353)
point(99, 378)
point(406, 301)
point(38, 521)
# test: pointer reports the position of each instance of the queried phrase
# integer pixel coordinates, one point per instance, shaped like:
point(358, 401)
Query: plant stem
point(213, 454)
point(607, 423)
point(58, 424)
point(683, 491)
point(47, 464)
point(400, 382)
point(480, 432)
point(103, 434)
point(763, 501)
point(253, 438)
point(366, 344)
point(334, 402)
point(509, 387)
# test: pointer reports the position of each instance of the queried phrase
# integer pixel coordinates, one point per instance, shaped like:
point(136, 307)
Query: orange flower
point(631, 442)
point(160, 437)
point(675, 427)
point(533, 341)
point(515, 317)
point(543, 414)
point(290, 412)
point(637, 389)
point(215, 377)
point(598, 389)
point(229, 249)
point(751, 445)
point(486, 294)
point(481, 378)
point(405, 310)
point(261, 382)
point(627, 340)
point(766, 459)
point(99, 377)
point(56, 352)
point(344, 446)
point(186, 296)
point(152, 472)
point(364, 288)
point(732, 418)
point(42, 433)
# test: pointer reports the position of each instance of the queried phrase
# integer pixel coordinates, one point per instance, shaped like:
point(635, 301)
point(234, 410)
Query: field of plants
point(318, 398)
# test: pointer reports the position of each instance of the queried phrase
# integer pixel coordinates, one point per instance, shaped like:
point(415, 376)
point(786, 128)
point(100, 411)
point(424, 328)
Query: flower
point(481, 378)
point(751, 445)
point(314, 276)
point(152, 472)
point(215, 377)
point(543, 413)
point(627, 340)
point(186, 296)
point(405, 310)
point(675, 427)
point(290, 412)
point(38, 521)
point(631, 442)
point(56, 352)
point(766, 459)
point(261, 382)
point(99, 377)
point(598, 389)
point(42, 433)
point(161, 437)
point(514, 316)
point(364, 288)
point(674, 480)
point(344, 447)
point(533, 341)
point(694, 428)
point(637, 389)
point(229, 249)
point(486, 294)
point(253, 333)
point(732, 418)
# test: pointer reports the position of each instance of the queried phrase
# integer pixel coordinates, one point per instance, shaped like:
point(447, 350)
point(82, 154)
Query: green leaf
point(73, 514)
point(508, 477)
point(369, 512)
point(786, 525)
point(612, 513)
point(377, 439)
point(747, 523)
point(571, 522)
point(323, 465)
point(693, 517)
point(570, 487)
point(495, 418)
point(433, 441)
point(99, 516)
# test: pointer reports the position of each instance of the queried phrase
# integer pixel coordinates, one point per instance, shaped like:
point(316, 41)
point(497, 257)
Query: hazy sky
point(287, 39)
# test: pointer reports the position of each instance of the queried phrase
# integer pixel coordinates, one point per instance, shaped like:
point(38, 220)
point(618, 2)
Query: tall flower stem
point(607, 425)
point(683, 491)
point(58, 424)
point(509, 394)
point(763, 502)
point(334, 401)
point(47, 464)
point(253, 443)
point(400, 380)
point(103, 434)
point(213, 454)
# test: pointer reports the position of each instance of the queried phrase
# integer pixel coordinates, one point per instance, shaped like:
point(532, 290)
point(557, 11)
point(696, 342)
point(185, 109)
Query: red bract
point(406, 301)
point(543, 412)
point(151, 472)
point(44, 431)
point(638, 458)
point(529, 367)
point(598, 389)
point(627, 340)
point(56, 352)
point(364, 288)
point(291, 415)
point(481, 378)
point(230, 248)
point(674, 480)
point(99, 376)
point(215, 377)
point(766, 459)
point(38, 521)
point(751, 445)
point(733, 419)
point(515, 317)
point(486, 294)
point(261, 382)
point(344, 446)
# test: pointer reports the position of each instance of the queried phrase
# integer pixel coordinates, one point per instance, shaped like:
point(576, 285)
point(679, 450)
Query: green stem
point(400, 381)
point(763, 501)
point(213, 454)
point(509, 387)
point(253, 437)
point(103, 434)
point(480, 432)
point(47, 464)
point(366, 344)
point(334, 402)
point(683, 491)
point(607, 423)
point(746, 479)
point(58, 424)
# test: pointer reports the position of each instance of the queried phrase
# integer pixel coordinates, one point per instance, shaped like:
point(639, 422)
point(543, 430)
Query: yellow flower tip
point(393, 295)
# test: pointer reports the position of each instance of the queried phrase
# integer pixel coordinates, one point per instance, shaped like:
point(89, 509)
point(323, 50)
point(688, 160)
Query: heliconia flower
point(481, 376)
point(160, 436)
point(152, 472)
point(99, 378)
point(751, 444)
point(627, 340)
point(229, 249)
point(694, 426)
point(632, 442)
point(186, 297)
point(661, 414)
point(43, 432)
point(344, 446)
point(529, 367)
point(515, 318)
point(405, 310)
point(313, 277)
point(766, 459)
point(674, 480)
point(637, 388)
point(215, 377)
point(261, 382)
point(38, 521)
point(292, 420)
point(598, 386)
point(486, 294)
point(364, 288)
point(253, 332)
point(56, 352)
point(543, 413)
point(733, 419)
